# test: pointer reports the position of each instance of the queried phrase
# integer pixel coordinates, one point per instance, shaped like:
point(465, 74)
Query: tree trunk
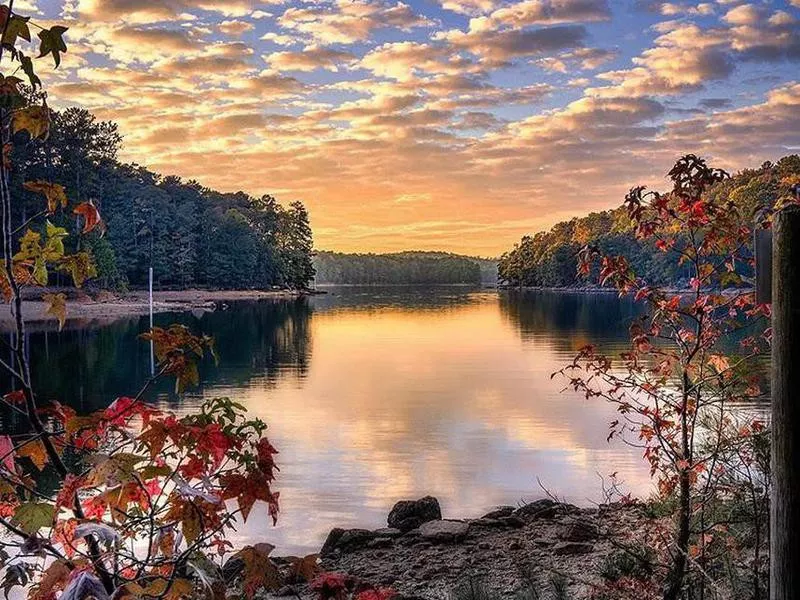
point(785, 504)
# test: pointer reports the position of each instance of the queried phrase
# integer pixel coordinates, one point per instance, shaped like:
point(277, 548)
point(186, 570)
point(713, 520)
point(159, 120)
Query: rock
point(388, 532)
point(515, 545)
point(538, 509)
point(380, 542)
point(512, 521)
point(543, 542)
point(331, 541)
point(570, 548)
point(345, 539)
point(484, 546)
point(444, 531)
point(286, 590)
point(500, 511)
point(410, 514)
point(484, 522)
point(582, 531)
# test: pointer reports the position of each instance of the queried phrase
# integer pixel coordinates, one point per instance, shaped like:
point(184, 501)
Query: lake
point(378, 394)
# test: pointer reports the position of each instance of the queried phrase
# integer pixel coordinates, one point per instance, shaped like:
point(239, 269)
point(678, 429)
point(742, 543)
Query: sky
point(455, 125)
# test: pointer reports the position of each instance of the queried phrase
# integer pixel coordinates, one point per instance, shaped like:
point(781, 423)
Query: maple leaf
point(53, 42)
point(154, 437)
point(111, 470)
point(720, 363)
point(27, 67)
point(15, 397)
point(54, 578)
point(191, 522)
point(16, 27)
point(80, 266)
point(247, 489)
point(33, 516)
point(53, 249)
point(7, 454)
point(33, 119)
point(66, 495)
point(64, 534)
point(305, 568)
point(259, 573)
point(90, 214)
point(54, 192)
point(10, 96)
point(35, 451)
point(56, 306)
point(266, 458)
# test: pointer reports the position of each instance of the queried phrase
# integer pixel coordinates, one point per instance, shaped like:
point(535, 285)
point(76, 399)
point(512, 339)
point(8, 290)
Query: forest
point(403, 268)
point(550, 258)
point(191, 235)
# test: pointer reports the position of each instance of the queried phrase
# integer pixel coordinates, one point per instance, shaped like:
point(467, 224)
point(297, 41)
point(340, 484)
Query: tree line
point(403, 268)
point(191, 235)
point(550, 258)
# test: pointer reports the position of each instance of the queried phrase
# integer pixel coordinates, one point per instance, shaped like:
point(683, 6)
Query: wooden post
point(785, 504)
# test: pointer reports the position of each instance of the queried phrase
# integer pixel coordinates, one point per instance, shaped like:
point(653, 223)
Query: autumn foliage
point(130, 501)
point(693, 361)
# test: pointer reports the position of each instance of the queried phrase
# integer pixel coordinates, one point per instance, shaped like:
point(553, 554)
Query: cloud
point(582, 58)
point(500, 47)
point(144, 11)
point(544, 12)
point(310, 58)
point(235, 27)
point(683, 59)
point(403, 61)
point(349, 21)
point(383, 116)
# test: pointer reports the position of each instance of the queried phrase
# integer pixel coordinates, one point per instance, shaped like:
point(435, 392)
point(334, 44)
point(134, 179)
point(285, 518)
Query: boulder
point(538, 509)
point(388, 532)
point(444, 531)
point(570, 548)
point(499, 512)
point(345, 539)
point(581, 531)
point(410, 514)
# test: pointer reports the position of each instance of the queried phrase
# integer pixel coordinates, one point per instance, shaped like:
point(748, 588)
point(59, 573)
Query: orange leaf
point(90, 214)
point(259, 572)
point(34, 450)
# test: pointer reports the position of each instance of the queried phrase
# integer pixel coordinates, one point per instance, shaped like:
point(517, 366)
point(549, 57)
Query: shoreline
point(105, 307)
point(421, 555)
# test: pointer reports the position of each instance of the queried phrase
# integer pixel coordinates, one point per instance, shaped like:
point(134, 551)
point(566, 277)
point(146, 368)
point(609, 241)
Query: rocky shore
point(510, 550)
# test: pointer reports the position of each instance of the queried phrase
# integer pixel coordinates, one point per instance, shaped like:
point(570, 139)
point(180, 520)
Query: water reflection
point(378, 394)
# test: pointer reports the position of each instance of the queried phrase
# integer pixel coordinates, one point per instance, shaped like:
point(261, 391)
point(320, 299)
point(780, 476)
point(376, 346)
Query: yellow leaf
point(54, 192)
point(57, 307)
point(30, 246)
point(35, 120)
point(80, 266)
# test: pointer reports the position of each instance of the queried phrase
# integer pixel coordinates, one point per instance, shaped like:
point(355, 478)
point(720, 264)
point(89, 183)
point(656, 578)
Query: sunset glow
point(433, 124)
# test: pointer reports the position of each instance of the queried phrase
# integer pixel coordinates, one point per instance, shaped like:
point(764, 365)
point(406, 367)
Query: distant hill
point(403, 268)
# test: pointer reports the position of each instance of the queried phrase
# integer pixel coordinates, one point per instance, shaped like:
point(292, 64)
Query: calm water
point(374, 395)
